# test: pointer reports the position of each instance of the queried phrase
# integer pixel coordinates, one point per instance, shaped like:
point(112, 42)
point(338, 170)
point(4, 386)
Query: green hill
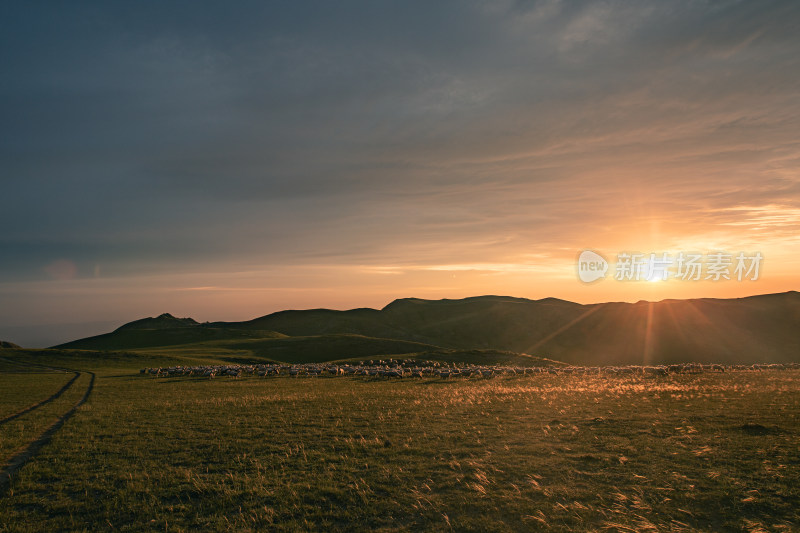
point(126, 338)
point(741, 330)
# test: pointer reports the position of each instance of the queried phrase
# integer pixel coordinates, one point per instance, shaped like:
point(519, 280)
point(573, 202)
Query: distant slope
point(762, 328)
point(755, 329)
point(322, 348)
point(126, 338)
point(368, 322)
point(6, 344)
point(165, 335)
point(495, 322)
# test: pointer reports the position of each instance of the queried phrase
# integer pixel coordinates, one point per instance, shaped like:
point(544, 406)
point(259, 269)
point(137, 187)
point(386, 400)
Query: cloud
point(196, 137)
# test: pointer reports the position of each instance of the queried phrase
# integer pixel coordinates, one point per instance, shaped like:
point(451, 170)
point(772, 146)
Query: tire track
point(37, 405)
point(17, 461)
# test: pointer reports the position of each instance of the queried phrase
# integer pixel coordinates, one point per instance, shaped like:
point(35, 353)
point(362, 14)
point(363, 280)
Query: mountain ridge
point(162, 321)
point(760, 328)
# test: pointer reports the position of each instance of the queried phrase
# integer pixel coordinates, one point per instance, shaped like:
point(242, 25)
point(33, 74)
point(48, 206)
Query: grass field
point(705, 452)
point(18, 390)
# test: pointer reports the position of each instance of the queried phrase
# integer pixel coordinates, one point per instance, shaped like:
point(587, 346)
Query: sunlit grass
point(680, 452)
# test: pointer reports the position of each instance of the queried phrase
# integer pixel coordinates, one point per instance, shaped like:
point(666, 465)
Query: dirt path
point(37, 405)
point(16, 462)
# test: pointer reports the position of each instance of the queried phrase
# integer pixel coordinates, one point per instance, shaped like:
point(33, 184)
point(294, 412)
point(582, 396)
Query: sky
point(227, 160)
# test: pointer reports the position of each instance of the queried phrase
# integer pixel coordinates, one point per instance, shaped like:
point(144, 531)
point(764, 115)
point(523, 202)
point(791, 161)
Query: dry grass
point(567, 453)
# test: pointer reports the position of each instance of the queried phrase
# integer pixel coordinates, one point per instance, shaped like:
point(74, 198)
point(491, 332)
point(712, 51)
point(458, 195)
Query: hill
point(132, 338)
point(741, 330)
point(164, 321)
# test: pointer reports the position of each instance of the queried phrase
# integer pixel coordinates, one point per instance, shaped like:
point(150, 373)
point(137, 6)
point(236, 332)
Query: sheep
point(656, 370)
point(436, 369)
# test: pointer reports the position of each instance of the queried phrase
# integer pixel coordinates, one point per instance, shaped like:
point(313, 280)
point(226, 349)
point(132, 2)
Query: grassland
point(709, 452)
point(19, 390)
point(16, 433)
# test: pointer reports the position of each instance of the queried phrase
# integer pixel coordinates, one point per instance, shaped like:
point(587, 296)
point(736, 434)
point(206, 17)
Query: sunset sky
point(227, 160)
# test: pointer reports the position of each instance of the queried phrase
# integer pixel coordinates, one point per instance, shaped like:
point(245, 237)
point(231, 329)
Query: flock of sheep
point(411, 368)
